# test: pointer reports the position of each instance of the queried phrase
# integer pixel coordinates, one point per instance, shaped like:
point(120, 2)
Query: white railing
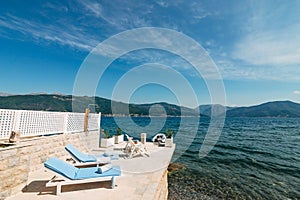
point(35, 123)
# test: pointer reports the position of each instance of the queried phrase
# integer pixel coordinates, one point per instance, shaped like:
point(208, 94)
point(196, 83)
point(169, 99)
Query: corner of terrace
point(45, 134)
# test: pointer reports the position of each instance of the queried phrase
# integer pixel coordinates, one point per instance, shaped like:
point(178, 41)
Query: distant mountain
point(217, 108)
point(4, 94)
point(170, 109)
point(270, 109)
point(68, 103)
point(58, 102)
point(35, 102)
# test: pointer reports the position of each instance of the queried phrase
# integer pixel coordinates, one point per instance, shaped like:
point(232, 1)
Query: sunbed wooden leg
point(113, 182)
point(58, 189)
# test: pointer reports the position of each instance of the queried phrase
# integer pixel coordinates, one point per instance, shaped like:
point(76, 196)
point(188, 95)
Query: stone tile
point(142, 177)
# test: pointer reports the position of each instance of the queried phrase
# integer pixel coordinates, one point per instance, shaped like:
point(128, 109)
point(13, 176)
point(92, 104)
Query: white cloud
point(93, 19)
point(94, 7)
point(270, 48)
point(64, 35)
point(233, 71)
point(84, 34)
point(268, 44)
point(163, 3)
point(272, 36)
point(122, 15)
point(296, 92)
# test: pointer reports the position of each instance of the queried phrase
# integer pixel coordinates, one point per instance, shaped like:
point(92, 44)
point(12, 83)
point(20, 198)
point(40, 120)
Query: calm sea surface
point(254, 158)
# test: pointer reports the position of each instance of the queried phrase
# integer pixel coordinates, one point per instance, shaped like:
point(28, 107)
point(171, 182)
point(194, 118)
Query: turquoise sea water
point(254, 158)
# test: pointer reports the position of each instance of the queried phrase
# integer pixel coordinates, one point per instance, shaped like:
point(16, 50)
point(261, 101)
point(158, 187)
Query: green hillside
point(269, 109)
point(67, 103)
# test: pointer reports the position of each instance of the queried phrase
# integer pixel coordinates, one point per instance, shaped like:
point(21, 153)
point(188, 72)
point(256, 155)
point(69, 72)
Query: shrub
point(169, 133)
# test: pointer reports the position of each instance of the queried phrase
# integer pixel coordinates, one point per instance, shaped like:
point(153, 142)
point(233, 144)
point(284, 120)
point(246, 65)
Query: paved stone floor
point(139, 180)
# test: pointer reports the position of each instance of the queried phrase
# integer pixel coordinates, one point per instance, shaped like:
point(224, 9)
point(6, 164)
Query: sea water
point(254, 158)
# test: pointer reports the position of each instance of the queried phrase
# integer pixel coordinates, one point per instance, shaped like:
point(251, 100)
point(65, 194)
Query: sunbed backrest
point(80, 156)
point(61, 167)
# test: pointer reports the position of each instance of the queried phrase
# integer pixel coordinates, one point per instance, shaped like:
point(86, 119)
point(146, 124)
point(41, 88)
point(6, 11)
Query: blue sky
point(254, 44)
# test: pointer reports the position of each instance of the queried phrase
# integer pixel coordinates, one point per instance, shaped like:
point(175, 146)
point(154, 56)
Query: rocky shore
point(185, 184)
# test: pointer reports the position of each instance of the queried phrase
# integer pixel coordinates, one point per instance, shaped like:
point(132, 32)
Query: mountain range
point(68, 103)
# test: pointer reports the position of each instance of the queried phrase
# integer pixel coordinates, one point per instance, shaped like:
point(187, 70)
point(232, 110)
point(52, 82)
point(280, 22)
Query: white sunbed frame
point(58, 183)
point(85, 164)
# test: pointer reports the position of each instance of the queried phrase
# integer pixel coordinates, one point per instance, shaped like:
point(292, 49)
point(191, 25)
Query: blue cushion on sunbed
point(92, 172)
point(74, 173)
point(80, 156)
point(61, 167)
point(83, 157)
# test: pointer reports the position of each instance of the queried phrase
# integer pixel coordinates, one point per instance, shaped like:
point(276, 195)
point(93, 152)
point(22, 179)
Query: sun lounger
point(76, 175)
point(134, 148)
point(88, 158)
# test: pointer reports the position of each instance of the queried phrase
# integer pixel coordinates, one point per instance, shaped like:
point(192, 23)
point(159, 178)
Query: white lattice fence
point(74, 122)
point(31, 123)
point(94, 121)
point(7, 118)
point(34, 123)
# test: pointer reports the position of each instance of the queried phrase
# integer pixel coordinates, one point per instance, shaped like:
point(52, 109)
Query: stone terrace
point(142, 177)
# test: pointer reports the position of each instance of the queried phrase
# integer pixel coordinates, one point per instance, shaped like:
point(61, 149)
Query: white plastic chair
point(134, 148)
